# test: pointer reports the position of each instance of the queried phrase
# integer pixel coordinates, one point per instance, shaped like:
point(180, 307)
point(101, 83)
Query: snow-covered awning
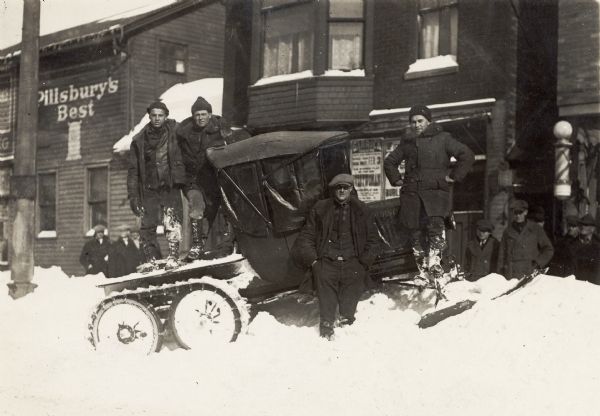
point(179, 99)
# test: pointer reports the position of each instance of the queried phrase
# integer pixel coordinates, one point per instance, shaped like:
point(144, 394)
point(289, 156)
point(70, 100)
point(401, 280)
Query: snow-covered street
point(530, 353)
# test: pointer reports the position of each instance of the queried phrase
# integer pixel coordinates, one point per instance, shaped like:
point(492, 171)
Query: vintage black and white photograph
point(299, 207)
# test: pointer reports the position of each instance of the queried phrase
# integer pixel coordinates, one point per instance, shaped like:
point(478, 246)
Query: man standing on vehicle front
point(195, 134)
point(425, 194)
point(154, 180)
point(339, 243)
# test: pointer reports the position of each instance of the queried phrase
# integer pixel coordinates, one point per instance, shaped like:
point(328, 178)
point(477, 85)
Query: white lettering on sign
point(62, 97)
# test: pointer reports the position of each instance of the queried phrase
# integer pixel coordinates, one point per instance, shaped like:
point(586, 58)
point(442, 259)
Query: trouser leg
point(172, 215)
point(327, 279)
point(352, 286)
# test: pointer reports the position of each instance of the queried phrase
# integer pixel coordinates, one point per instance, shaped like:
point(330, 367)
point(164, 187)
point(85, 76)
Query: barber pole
point(562, 185)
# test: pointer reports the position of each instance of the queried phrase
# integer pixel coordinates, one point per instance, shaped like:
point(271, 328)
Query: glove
point(136, 208)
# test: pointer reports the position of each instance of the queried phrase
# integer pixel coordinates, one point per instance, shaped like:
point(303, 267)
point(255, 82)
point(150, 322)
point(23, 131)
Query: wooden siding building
point(96, 81)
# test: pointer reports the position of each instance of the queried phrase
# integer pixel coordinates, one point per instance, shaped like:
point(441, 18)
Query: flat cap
point(519, 204)
point(99, 229)
point(342, 178)
point(587, 219)
point(485, 225)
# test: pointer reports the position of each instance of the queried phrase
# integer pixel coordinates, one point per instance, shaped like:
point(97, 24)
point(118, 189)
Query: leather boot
point(198, 239)
point(150, 264)
point(173, 258)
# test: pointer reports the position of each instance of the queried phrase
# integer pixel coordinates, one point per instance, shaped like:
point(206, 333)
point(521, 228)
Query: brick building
point(484, 67)
point(578, 99)
point(96, 81)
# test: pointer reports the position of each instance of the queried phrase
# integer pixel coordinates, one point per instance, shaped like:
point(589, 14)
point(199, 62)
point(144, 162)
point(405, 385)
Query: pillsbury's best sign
point(64, 98)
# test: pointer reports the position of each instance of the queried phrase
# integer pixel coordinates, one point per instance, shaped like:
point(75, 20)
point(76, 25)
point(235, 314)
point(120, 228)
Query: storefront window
point(47, 201)
point(97, 196)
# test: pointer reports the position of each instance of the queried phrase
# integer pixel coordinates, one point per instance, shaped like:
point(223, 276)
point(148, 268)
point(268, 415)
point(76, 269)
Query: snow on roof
point(179, 99)
point(308, 74)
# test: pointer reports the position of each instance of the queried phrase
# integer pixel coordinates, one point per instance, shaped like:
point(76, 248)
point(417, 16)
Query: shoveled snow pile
point(530, 353)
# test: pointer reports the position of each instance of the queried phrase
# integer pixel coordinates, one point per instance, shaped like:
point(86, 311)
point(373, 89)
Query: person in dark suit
point(124, 256)
point(481, 256)
point(338, 243)
point(94, 254)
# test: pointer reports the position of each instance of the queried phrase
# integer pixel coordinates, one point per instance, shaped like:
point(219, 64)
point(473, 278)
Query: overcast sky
point(61, 14)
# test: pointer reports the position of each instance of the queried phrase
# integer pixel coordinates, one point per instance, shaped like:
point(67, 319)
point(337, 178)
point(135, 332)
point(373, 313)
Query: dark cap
point(419, 110)
point(99, 229)
point(158, 104)
point(572, 220)
point(587, 219)
point(201, 104)
point(518, 204)
point(342, 178)
point(485, 225)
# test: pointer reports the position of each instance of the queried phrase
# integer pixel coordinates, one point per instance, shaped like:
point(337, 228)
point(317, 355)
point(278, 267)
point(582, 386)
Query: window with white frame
point(346, 34)
point(288, 39)
point(438, 28)
point(97, 196)
point(47, 201)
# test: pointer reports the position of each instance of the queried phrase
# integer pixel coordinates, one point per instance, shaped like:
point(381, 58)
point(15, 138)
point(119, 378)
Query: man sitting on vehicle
point(339, 243)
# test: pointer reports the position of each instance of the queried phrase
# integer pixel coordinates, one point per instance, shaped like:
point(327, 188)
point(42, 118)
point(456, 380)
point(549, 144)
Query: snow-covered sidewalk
point(530, 353)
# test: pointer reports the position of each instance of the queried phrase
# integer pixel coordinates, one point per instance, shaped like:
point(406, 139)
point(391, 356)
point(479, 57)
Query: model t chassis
point(268, 184)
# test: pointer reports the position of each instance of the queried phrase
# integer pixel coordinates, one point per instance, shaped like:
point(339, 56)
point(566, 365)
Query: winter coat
point(136, 175)
point(93, 254)
point(123, 259)
point(561, 261)
point(584, 260)
point(427, 162)
point(521, 252)
point(310, 244)
point(193, 142)
point(481, 261)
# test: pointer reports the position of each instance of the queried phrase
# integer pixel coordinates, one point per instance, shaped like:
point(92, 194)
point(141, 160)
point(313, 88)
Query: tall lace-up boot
point(173, 258)
point(199, 235)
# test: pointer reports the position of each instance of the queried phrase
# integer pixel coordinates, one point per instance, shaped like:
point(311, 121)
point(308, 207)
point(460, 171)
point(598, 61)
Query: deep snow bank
point(530, 353)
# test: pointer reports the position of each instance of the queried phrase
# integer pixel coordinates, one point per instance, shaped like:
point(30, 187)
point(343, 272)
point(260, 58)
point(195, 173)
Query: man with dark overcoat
point(481, 255)
point(339, 243)
point(425, 194)
point(124, 256)
point(525, 246)
point(584, 252)
point(94, 254)
point(561, 261)
point(195, 134)
point(155, 178)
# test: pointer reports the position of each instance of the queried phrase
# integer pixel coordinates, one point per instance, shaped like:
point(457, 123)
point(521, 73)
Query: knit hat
point(159, 105)
point(519, 204)
point(342, 178)
point(485, 225)
point(587, 219)
point(201, 104)
point(419, 110)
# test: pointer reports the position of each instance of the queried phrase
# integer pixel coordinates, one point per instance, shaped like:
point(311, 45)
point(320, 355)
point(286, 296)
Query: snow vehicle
point(268, 184)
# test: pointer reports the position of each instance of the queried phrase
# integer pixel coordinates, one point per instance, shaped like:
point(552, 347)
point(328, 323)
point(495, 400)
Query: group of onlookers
point(112, 258)
point(525, 247)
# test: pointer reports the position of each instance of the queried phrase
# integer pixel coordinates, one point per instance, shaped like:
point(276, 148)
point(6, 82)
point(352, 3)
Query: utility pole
point(23, 184)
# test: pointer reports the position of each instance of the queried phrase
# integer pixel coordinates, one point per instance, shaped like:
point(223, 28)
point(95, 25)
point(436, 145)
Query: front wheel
point(205, 315)
point(126, 325)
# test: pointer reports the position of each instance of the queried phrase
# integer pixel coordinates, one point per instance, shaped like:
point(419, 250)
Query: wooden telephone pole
point(23, 183)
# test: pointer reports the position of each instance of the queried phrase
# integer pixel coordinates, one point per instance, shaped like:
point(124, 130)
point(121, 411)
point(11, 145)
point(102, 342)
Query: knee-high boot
point(199, 236)
point(173, 258)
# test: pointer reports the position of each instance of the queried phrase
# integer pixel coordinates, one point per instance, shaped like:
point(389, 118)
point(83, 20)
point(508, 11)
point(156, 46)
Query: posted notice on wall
point(367, 168)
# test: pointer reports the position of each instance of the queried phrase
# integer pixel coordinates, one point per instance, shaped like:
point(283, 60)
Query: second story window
point(172, 64)
point(438, 28)
point(47, 202)
point(288, 39)
point(97, 196)
point(346, 34)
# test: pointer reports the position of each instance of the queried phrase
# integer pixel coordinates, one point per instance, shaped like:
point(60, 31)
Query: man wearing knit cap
point(195, 134)
point(154, 180)
point(425, 193)
point(338, 243)
point(524, 246)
